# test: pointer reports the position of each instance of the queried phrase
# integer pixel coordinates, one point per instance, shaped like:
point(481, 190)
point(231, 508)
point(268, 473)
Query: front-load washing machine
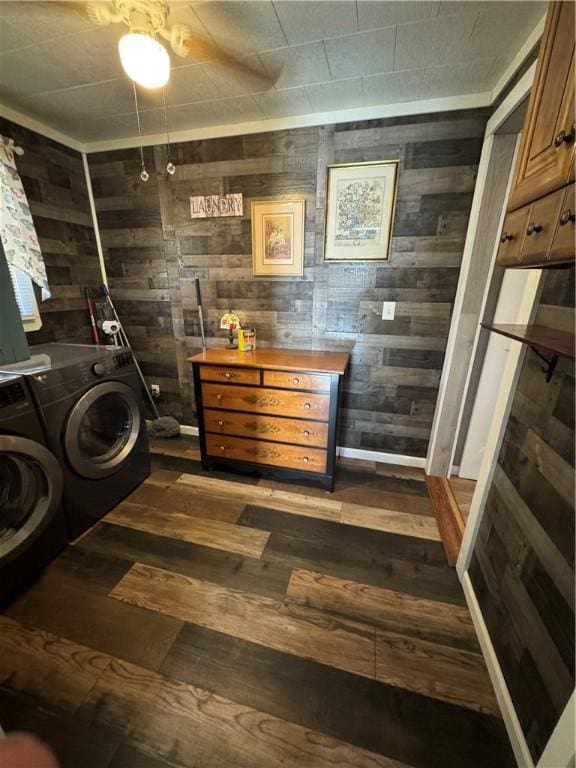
point(32, 524)
point(90, 400)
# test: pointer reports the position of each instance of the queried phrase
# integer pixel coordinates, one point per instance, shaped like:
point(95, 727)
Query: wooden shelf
point(558, 342)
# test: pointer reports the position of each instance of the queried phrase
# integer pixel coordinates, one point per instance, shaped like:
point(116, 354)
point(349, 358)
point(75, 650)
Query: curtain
point(17, 229)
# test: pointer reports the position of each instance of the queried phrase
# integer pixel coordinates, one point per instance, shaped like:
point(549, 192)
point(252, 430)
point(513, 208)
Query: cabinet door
point(563, 244)
point(547, 151)
point(512, 237)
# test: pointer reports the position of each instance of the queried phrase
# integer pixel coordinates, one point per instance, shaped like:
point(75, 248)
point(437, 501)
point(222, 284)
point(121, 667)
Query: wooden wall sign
point(212, 206)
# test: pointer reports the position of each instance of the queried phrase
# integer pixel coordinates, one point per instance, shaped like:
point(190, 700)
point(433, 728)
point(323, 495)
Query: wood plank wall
point(153, 250)
point(523, 565)
point(53, 177)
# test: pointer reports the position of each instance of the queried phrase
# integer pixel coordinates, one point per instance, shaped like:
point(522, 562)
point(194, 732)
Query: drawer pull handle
point(564, 138)
point(220, 423)
point(567, 216)
point(505, 237)
point(307, 406)
point(305, 459)
point(222, 447)
point(228, 375)
point(296, 381)
point(533, 228)
point(219, 397)
point(306, 433)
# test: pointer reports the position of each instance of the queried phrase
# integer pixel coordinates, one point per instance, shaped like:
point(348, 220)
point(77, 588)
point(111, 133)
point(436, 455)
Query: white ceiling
point(320, 56)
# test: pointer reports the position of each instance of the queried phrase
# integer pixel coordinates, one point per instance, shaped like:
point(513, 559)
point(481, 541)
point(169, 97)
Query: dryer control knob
point(98, 369)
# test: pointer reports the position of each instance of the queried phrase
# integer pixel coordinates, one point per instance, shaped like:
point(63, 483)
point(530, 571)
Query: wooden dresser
point(273, 409)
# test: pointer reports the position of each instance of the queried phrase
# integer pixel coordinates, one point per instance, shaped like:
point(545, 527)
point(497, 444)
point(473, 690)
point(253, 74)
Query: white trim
point(510, 377)
point(523, 52)
point(351, 453)
point(510, 103)
point(400, 109)
point(94, 218)
point(485, 296)
point(516, 96)
point(559, 752)
point(457, 310)
point(381, 457)
point(35, 125)
point(513, 727)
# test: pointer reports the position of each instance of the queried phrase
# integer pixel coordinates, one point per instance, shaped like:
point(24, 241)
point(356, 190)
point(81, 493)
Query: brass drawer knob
point(567, 216)
point(505, 237)
point(533, 228)
point(219, 397)
point(220, 423)
point(296, 381)
point(306, 433)
point(222, 447)
point(305, 459)
point(307, 406)
point(228, 375)
point(565, 138)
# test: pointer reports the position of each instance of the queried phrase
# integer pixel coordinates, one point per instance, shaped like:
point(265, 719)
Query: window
point(26, 299)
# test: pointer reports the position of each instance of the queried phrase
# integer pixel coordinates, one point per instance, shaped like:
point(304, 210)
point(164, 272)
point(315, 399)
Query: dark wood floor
point(218, 620)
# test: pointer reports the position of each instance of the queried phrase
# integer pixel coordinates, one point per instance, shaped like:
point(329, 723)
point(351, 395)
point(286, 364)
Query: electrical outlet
point(388, 310)
point(155, 390)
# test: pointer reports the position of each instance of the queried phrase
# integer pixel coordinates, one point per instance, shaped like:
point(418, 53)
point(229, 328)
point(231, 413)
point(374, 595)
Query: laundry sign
point(210, 206)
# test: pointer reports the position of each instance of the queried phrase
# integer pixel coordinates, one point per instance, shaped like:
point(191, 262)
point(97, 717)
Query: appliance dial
point(98, 369)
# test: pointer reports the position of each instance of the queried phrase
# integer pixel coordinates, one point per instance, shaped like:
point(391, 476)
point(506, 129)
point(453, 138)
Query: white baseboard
point(381, 457)
point(515, 734)
point(187, 430)
point(352, 453)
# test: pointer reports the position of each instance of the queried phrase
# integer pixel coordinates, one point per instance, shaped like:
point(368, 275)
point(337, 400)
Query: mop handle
point(200, 311)
point(90, 307)
point(127, 344)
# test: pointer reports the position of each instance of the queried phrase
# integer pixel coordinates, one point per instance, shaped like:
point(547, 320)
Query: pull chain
point(170, 167)
point(144, 175)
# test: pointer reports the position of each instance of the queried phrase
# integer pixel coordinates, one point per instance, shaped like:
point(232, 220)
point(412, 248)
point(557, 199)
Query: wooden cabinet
point(547, 152)
point(545, 163)
point(273, 410)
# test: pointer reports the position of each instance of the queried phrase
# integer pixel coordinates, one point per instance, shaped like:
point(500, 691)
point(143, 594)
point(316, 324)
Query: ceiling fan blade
point(202, 51)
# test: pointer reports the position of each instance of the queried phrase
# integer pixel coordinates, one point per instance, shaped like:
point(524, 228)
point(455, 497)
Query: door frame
point(453, 386)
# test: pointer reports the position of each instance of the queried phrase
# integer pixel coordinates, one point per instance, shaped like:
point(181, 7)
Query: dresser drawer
point(296, 431)
point(563, 244)
point(512, 237)
point(261, 452)
point(291, 380)
point(231, 374)
point(543, 220)
point(278, 402)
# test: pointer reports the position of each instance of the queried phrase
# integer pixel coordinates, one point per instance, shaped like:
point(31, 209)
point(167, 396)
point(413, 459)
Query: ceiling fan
point(144, 59)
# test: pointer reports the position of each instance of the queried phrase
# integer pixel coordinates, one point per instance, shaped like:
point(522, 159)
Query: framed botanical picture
point(360, 202)
point(278, 237)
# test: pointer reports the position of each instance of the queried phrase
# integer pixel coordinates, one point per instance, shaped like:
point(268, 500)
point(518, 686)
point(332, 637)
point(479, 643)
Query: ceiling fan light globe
point(145, 60)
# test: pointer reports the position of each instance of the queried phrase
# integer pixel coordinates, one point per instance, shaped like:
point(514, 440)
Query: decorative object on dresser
point(273, 410)
point(360, 202)
point(278, 238)
point(230, 322)
point(539, 228)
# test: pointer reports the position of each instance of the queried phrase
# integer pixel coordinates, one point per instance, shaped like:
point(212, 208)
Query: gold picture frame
point(278, 238)
point(360, 207)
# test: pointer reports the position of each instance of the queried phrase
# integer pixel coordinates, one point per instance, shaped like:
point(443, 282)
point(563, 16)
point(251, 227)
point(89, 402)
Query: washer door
point(102, 429)
point(30, 492)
